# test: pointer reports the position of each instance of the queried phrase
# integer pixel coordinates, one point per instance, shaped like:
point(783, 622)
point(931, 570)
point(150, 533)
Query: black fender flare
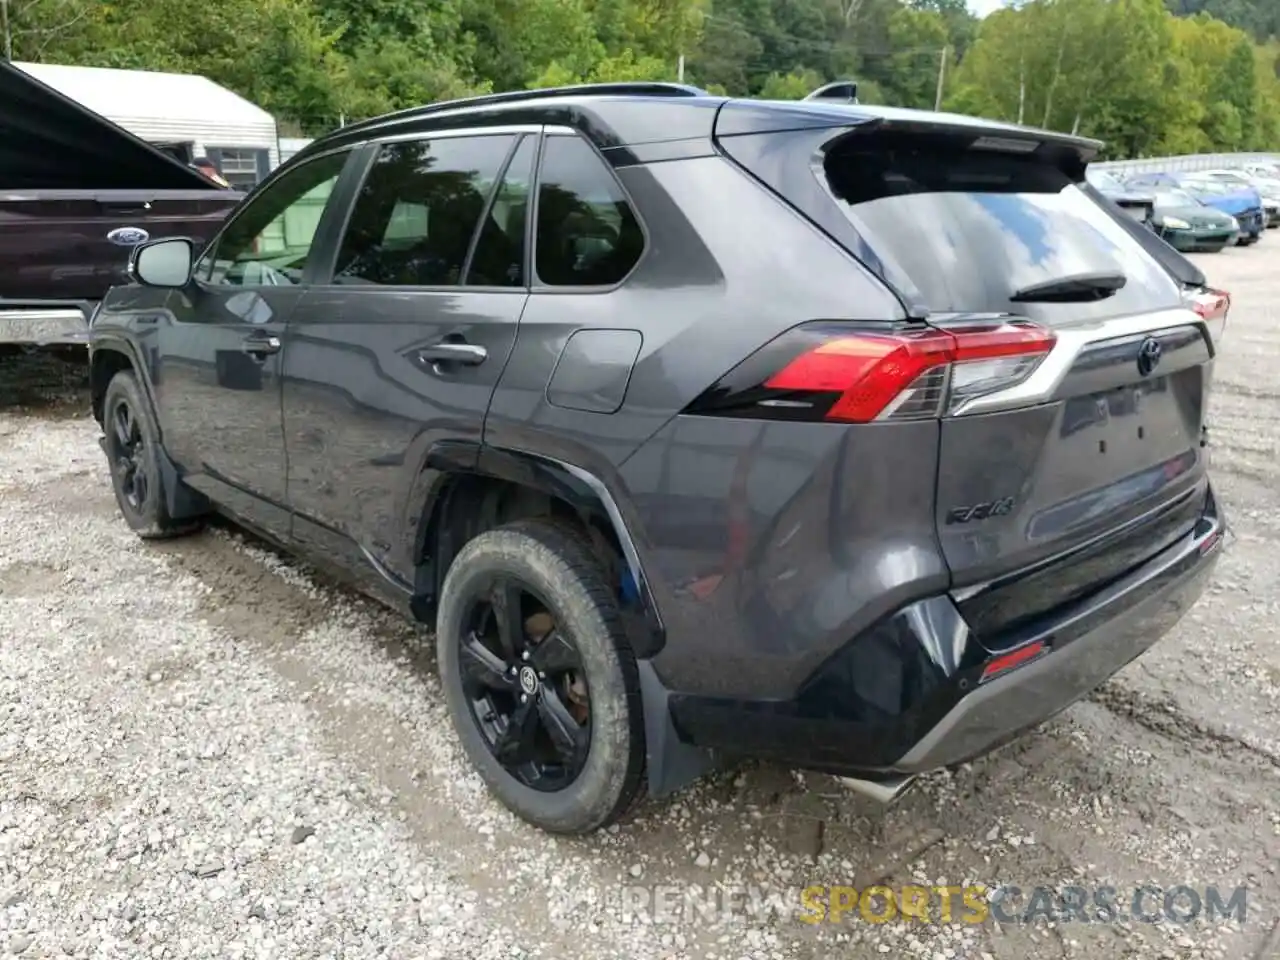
point(574, 485)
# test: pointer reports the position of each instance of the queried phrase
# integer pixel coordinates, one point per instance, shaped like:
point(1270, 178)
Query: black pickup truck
point(77, 193)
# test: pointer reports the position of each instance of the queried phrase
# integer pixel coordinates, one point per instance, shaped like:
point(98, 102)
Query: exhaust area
point(882, 791)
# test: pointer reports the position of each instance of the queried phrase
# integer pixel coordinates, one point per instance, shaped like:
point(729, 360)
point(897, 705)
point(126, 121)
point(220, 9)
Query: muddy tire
point(132, 445)
point(539, 678)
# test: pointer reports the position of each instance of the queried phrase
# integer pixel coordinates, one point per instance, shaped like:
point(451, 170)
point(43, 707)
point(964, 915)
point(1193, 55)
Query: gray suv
point(853, 438)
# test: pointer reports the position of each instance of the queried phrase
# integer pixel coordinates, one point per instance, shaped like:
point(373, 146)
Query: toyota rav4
point(854, 438)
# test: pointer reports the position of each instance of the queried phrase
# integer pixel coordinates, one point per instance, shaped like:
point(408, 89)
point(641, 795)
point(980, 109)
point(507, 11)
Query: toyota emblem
point(528, 680)
point(1149, 355)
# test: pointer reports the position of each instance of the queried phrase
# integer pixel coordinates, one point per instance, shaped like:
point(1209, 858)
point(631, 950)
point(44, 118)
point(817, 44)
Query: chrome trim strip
point(450, 132)
point(54, 314)
point(1073, 339)
point(43, 326)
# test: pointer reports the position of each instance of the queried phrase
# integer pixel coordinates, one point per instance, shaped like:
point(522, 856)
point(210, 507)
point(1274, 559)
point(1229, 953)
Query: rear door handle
point(468, 354)
point(261, 346)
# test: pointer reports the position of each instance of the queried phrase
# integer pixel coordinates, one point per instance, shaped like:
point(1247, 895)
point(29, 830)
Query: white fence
point(1187, 164)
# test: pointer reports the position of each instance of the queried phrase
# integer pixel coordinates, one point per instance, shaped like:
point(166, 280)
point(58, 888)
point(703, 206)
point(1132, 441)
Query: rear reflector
point(1210, 543)
point(829, 371)
point(1011, 660)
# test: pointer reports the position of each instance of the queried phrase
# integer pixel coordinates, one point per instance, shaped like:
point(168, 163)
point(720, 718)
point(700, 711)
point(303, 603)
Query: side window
point(498, 260)
point(588, 234)
point(268, 241)
point(415, 217)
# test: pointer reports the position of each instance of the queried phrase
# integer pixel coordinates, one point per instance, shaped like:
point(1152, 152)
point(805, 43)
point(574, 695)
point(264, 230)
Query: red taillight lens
point(828, 372)
point(1212, 306)
point(868, 371)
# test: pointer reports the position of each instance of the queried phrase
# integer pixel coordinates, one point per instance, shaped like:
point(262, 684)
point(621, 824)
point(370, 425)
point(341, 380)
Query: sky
point(983, 7)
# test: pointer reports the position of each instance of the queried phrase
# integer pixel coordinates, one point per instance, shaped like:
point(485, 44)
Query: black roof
point(628, 114)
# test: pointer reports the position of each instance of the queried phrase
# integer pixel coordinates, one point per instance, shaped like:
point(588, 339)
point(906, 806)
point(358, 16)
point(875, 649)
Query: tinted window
point(587, 232)
point(498, 260)
point(969, 228)
point(417, 212)
point(268, 241)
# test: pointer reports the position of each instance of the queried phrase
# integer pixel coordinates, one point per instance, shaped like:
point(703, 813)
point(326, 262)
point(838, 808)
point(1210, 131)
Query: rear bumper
point(930, 707)
point(40, 325)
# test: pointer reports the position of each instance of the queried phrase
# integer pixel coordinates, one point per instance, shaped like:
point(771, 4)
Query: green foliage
point(1146, 76)
point(790, 86)
point(1123, 71)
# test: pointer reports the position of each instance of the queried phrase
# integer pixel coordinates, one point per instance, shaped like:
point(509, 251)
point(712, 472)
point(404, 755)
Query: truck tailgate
point(74, 244)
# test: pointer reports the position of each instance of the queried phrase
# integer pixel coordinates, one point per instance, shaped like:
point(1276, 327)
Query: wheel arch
point(483, 476)
point(107, 357)
point(492, 486)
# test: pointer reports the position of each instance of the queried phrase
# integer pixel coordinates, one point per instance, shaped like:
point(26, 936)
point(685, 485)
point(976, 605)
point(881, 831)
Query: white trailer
point(185, 113)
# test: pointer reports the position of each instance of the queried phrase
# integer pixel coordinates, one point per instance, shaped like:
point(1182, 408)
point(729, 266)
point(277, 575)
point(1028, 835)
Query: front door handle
point(261, 346)
point(468, 354)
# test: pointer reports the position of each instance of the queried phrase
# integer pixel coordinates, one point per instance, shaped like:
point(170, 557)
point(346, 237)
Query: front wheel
point(540, 680)
point(132, 446)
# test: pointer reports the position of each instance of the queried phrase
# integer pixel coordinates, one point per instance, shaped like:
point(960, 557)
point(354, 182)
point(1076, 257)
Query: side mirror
point(163, 263)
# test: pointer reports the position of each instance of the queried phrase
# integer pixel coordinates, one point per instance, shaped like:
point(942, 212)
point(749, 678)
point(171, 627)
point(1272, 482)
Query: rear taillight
point(1212, 306)
point(826, 371)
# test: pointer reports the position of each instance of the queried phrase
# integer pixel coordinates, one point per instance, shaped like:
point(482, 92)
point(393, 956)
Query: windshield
point(1104, 181)
point(1176, 198)
point(969, 228)
point(1205, 186)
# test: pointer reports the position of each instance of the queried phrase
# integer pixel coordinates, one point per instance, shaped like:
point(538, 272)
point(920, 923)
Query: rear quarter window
point(968, 228)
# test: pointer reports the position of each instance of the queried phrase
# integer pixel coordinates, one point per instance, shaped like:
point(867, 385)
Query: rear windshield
point(970, 228)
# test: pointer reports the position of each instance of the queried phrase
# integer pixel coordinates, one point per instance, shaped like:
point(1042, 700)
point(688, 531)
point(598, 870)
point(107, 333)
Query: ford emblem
point(128, 236)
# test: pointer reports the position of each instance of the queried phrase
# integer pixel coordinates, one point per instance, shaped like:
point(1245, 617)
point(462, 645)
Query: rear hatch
point(1070, 397)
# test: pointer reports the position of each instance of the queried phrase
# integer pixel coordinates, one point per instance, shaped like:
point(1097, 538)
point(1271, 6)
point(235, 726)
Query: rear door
point(75, 244)
point(1055, 482)
point(401, 345)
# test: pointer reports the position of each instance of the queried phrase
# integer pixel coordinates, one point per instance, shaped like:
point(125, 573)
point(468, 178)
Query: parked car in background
point(77, 194)
point(570, 376)
point(1268, 188)
point(1149, 181)
point(1241, 202)
point(1269, 170)
point(1138, 204)
point(1189, 224)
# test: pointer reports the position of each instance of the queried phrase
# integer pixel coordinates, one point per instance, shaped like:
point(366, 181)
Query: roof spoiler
point(842, 91)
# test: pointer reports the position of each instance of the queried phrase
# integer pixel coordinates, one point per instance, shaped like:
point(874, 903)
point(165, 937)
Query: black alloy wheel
point(130, 463)
point(525, 684)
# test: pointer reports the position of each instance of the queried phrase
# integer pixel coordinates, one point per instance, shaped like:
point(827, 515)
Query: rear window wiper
point(1080, 288)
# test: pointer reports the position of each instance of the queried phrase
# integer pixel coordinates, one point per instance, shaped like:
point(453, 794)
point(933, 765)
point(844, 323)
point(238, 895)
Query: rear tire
point(582, 777)
point(133, 457)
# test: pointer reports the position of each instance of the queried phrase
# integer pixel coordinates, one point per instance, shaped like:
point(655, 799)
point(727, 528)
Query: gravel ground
point(208, 750)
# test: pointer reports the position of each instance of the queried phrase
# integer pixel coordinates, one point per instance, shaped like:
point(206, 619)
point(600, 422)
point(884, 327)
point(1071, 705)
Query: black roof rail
point(846, 91)
point(624, 89)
